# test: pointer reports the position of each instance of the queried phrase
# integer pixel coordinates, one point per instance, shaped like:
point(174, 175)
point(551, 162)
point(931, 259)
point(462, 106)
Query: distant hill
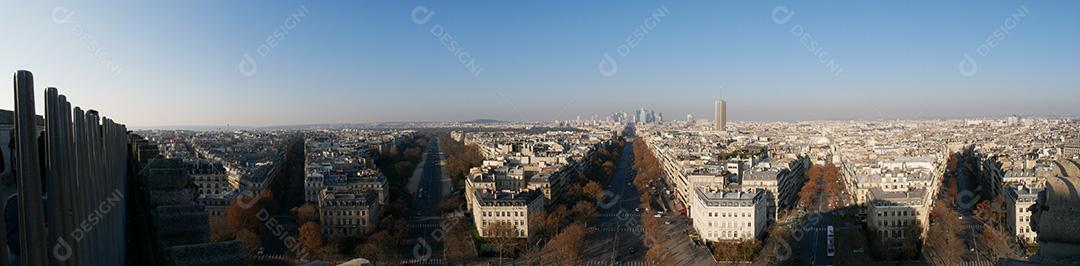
point(485, 121)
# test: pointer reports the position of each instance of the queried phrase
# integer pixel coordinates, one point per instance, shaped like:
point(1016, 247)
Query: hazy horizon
point(317, 125)
point(206, 64)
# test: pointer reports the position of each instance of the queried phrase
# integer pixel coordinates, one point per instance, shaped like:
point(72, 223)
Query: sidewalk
point(418, 173)
point(446, 182)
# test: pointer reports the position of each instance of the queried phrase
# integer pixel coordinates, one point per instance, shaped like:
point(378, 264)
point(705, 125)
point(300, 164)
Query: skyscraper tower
point(721, 115)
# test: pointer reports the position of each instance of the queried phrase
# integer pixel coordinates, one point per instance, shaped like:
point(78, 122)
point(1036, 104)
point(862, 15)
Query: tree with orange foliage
point(998, 243)
point(219, 230)
point(567, 245)
point(306, 213)
point(311, 237)
point(503, 235)
point(584, 211)
point(250, 240)
point(380, 246)
point(243, 212)
point(943, 242)
point(807, 193)
point(595, 190)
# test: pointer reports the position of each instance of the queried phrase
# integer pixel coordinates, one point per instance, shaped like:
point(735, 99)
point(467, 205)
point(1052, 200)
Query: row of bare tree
point(562, 229)
point(559, 232)
point(647, 171)
point(459, 243)
point(945, 241)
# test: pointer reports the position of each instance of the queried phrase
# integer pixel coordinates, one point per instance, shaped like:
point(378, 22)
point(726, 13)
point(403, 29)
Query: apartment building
point(898, 216)
point(346, 212)
point(514, 208)
point(216, 204)
point(365, 179)
point(720, 215)
point(1019, 199)
point(211, 178)
point(522, 171)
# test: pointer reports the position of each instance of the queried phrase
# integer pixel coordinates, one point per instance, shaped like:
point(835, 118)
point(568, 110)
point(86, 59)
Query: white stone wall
point(729, 223)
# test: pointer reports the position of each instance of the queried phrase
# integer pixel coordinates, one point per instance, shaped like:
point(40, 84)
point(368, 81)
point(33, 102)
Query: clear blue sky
point(177, 63)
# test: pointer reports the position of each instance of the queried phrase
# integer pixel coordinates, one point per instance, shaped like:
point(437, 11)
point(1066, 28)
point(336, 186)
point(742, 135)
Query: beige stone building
point(1019, 200)
point(346, 212)
point(728, 215)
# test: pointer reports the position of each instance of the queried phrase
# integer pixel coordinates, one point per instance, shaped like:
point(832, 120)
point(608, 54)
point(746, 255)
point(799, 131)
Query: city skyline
point(540, 133)
point(217, 64)
point(821, 193)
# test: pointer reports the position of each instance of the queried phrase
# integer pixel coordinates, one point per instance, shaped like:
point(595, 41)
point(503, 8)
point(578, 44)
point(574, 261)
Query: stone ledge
point(172, 197)
point(181, 219)
point(185, 239)
point(218, 253)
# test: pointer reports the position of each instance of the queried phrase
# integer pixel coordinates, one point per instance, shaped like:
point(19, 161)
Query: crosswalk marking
point(424, 226)
point(617, 263)
point(619, 229)
point(819, 229)
point(439, 261)
point(269, 257)
point(609, 215)
point(432, 261)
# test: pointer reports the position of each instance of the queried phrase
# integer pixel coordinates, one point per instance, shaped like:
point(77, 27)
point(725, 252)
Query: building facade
point(721, 115)
point(490, 207)
point(345, 213)
point(211, 178)
point(728, 215)
point(1019, 201)
point(898, 217)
